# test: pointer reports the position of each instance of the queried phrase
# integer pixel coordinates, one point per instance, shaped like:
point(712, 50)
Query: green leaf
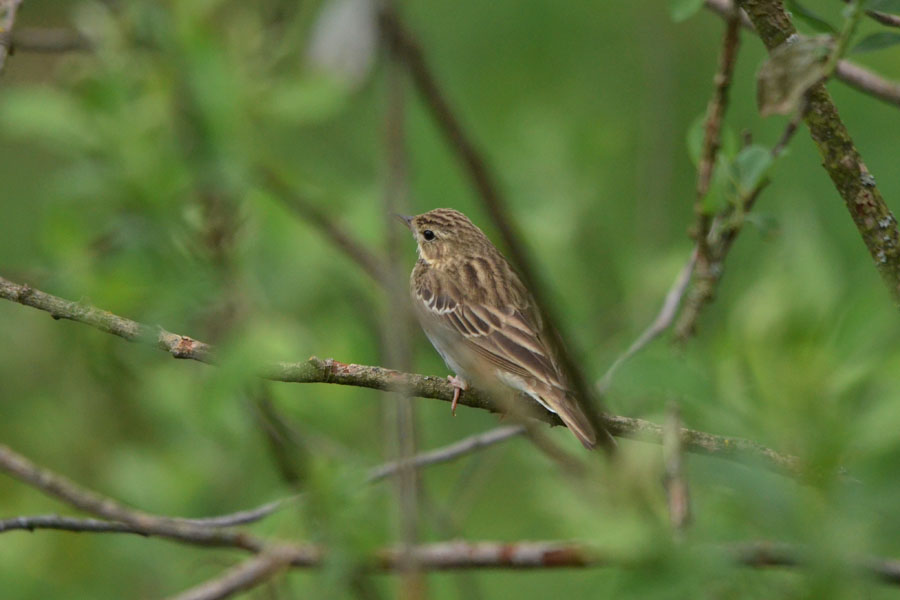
point(815, 22)
point(751, 165)
point(789, 72)
point(682, 10)
point(888, 6)
point(877, 41)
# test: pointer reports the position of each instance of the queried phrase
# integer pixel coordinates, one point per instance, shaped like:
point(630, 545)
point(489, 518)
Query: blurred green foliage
point(130, 180)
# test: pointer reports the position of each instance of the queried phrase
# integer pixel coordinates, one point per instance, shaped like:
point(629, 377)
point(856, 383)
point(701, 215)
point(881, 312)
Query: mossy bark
point(874, 220)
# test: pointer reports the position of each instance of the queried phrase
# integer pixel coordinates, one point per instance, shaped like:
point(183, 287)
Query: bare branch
point(715, 112)
point(367, 260)
point(451, 451)
point(662, 321)
point(60, 487)
point(73, 524)
point(30, 523)
point(316, 370)
point(884, 18)
point(849, 72)
point(8, 10)
point(725, 229)
point(245, 576)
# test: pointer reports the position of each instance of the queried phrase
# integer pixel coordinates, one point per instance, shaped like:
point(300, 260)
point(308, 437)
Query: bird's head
point(443, 234)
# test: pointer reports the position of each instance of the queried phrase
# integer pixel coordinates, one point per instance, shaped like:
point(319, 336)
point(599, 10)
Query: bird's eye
point(428, 234)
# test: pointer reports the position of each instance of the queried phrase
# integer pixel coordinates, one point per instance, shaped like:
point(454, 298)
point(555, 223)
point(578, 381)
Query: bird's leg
point(459, 385)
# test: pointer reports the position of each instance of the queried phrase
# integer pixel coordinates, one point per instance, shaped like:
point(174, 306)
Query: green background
point(108, 159)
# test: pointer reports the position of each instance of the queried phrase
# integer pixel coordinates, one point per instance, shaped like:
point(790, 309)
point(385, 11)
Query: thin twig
point(307, 210)
point(8, 10)
point(316, 370)
point(728, 224)
point(247, 575)
point(436, 556)
point(715, 112)
point(451, 451)
point(662, 321)
point(679, 499)
point(19, 467)
point(404, 45)
point(849, 72)
point(881, 17)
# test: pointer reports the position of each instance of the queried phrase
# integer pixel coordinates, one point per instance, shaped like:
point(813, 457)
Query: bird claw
point(458, 386)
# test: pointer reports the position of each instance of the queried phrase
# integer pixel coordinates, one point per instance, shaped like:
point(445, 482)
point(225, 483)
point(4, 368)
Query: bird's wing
point(506, 336)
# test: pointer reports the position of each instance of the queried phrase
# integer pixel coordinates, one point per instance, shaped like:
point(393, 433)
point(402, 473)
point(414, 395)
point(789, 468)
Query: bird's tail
point(571, 414)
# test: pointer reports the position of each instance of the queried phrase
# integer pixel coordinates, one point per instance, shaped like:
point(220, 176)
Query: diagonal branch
point(247, 575)
point(435, 556)
point(367, 260)
point(874, 220)
point(316, 370)
point(664, 318)
point(450, 451)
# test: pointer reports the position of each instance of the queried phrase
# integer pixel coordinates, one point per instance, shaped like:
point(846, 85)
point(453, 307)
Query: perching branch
point(874, 220)
point(849, 72)
point(316, 370)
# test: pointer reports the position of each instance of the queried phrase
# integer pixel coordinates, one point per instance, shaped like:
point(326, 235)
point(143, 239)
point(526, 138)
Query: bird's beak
point(407, 220)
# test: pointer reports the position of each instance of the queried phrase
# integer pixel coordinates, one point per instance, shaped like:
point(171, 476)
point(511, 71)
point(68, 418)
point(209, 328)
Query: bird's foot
point(459, 385)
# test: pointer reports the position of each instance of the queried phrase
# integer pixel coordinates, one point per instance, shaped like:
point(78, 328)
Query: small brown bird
point(481, 319)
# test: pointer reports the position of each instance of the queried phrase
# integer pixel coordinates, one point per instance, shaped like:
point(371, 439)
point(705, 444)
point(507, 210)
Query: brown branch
point(884, 18)
point(450, 451)
point(369, 262)
point(436, 556)
point(850, 73)
point(726, 227)
point(247, 575)
point(881, 17)
point(73, 524)
point(244, 517)
point(874, 220)
point(715, 112)
point(316, 370)
point(52, 484)
point(405, 47)
point(8, 10)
